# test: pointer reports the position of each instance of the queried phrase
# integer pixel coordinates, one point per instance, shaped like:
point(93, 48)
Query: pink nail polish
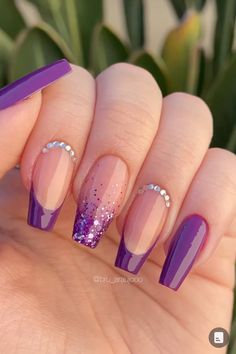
point(100, 198)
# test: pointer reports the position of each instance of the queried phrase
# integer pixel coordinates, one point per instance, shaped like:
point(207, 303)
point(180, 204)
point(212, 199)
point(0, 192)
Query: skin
point(53, 294)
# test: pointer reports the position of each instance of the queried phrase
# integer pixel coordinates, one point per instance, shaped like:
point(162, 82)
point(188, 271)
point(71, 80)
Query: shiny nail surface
point(51, 179)
point(99, 200)
point(142, 227)
point(32, 83)
point(184, 249)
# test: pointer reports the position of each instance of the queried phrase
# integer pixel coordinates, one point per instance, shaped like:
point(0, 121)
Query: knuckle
point(131, 115)
point(134, 71)
point(133, 85)
point(222, 163)
point(195, 109)
point(130, 123)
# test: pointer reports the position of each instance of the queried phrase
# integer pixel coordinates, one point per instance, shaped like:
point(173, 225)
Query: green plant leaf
point(134, 14)
point(11, 20)
point(226, 11)
point(36, 47)
point(221, 100)
point(63, 16)
point(181, 53)
point(155, 66)
point(6, 45)
point(90, 13)
point(181, 6)
point(75, 21)
point(106, 49)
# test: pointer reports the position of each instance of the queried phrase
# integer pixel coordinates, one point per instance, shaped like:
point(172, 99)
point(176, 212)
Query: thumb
point(16, 124)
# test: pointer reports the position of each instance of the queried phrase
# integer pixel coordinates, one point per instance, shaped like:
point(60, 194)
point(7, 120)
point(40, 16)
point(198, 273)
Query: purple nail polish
point(184, 249)
point(40, 217)
point(33, 82)
point(129, 261)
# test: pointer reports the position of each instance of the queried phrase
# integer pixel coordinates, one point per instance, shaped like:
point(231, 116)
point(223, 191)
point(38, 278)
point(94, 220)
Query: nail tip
point(82, 239)
point(168, 286)
point(26, 86)
point(39, 217)
point(129, 261)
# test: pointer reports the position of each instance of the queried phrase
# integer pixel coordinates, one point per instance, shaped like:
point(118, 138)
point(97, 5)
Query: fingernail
point(33, 82)
point(100, 198)
point(143, 224)
point(50, 181)
point(184, 249)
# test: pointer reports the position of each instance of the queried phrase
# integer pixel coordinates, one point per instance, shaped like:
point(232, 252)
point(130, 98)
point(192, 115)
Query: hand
point(58, 296)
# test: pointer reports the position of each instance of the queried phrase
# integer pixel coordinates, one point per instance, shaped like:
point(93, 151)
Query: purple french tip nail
point(184, 249)
point(40, 217)
point(33, 82)
point(129, 261)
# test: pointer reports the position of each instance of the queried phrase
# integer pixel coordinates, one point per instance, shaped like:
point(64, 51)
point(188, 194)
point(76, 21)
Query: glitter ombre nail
point(100, 198)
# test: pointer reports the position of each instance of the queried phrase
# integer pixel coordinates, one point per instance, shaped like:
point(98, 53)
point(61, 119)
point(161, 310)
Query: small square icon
point(219, 337)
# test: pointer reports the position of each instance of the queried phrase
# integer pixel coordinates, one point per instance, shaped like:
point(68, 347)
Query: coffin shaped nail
point(32, 83)
point(51, 178)
point(183, 251)
point(143, 224)
point(99, 200)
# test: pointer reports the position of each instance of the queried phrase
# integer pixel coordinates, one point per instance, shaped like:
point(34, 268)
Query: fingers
point(16, 124)
point(17, 120)
point(182, 140)
point(56, 145)
point(204, 218)
point(125, 122)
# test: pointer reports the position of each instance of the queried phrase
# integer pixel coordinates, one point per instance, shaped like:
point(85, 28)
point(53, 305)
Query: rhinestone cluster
point(157, 189)
point(62, 145)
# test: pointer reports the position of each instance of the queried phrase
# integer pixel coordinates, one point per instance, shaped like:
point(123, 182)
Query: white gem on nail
point(62, 145)
point(156, 189)
point(163, 192)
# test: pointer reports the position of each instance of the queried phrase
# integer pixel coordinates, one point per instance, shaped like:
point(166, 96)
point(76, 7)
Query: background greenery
point(74, 29)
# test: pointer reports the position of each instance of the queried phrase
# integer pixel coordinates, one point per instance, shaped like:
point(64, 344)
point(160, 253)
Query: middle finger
point(125, 122)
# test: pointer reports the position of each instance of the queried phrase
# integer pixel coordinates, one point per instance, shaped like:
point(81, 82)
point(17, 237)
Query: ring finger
point(182, 141)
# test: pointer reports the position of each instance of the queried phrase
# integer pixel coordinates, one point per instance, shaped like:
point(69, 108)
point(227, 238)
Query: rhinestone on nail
point(62, 145)
point(156, 189)
point(163, 192)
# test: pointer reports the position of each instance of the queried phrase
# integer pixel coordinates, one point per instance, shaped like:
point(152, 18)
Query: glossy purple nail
point(32, 83)
point(184, 249)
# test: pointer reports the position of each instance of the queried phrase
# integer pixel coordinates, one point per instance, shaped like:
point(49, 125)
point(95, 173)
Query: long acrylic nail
point(142, 227)
point(51, 179)
point(99, 200)
point(184, 249)
point(32, 83)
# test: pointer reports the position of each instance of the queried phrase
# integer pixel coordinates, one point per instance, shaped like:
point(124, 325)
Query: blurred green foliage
point(74, 29)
